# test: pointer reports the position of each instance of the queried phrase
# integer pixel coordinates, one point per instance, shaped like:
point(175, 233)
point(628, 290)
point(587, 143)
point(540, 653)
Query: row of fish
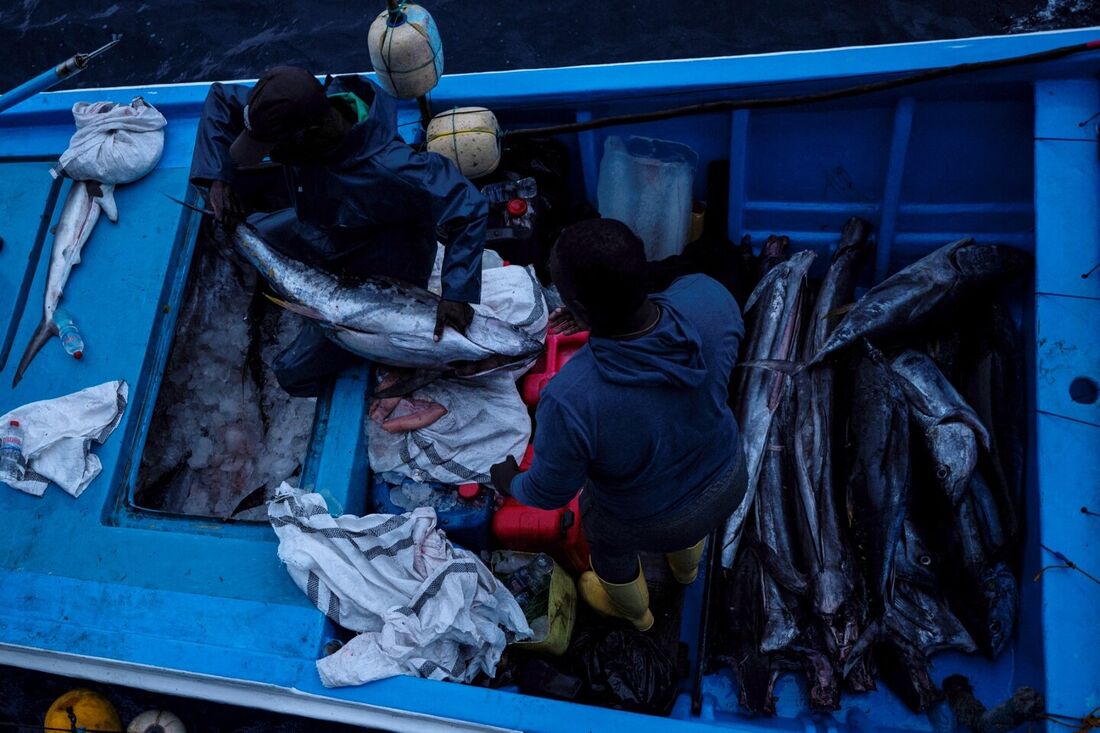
point(885, 477)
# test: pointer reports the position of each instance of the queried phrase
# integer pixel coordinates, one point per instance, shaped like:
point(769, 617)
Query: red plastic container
point(557, 532)
point(559, 349)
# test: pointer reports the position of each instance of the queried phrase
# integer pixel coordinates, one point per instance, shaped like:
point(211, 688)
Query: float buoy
point(406, 51)
point(156, 721)
point(470, 136)
point(81, 708)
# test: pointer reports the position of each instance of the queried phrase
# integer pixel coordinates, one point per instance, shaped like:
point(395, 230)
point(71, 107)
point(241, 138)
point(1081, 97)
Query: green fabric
point(354, 104)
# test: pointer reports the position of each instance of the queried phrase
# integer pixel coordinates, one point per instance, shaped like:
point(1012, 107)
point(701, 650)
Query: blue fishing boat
point(99, 588)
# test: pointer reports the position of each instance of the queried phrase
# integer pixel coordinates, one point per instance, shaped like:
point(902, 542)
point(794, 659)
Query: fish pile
point(885, 456)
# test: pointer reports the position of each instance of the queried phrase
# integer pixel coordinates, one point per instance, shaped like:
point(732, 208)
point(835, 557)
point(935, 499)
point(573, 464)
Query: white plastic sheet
point(114, 143)
point(647, 185)
point(422, 607)
point(58, 433)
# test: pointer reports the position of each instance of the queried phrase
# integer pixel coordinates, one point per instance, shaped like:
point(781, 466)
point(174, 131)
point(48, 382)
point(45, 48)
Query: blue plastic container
point(467, 522)
point(95, 587)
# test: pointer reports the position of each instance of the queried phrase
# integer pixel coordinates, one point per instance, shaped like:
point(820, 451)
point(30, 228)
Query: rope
point(1066, 564)
point(842, 93)
point(1091, 721)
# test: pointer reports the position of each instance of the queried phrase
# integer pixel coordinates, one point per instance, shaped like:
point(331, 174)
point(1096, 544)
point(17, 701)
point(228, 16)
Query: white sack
point(58, 433)
point(422, 607)
point(114, 143)
point(486, 420)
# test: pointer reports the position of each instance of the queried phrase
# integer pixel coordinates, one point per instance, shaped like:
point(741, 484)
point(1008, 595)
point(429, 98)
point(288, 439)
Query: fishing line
point(1067, 564)
point(1091, 721)
point(842, 93)
point(1089, 512)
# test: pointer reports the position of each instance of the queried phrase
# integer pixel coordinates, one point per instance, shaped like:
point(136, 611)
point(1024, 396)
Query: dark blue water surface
point(188, 40)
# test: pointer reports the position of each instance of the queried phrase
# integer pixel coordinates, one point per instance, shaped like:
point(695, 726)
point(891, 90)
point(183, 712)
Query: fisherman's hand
point(223, 200)
point(502, 475)
point(563, 322)
point(455, 314)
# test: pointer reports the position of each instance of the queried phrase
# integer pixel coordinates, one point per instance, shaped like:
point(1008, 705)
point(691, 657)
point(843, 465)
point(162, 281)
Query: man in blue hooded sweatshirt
point(365, 203)
point(638, 418)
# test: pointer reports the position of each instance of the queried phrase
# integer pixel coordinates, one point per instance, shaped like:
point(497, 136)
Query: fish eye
point(942, 471)
point(925, 560)
point(995, 626)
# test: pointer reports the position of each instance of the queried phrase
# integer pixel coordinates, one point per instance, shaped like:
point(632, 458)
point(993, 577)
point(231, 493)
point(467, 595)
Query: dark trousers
point(614, 544)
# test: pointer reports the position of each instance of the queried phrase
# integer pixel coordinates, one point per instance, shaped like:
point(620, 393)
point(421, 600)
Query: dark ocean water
point(187, 40)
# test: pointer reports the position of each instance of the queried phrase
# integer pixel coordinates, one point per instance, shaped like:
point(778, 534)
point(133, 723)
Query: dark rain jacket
point(382, 204)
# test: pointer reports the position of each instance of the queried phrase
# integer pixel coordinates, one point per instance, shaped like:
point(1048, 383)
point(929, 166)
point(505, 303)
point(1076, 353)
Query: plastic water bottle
point(13, 466)
point(70, 335)
point(504, 191)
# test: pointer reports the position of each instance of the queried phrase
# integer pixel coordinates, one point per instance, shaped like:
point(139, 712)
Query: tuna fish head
point(954, 450)
point(1000, 593)
point(990, 262)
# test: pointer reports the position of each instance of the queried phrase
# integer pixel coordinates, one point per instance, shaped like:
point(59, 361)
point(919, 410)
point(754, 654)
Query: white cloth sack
point(422, 607)
point(486, 420)
point(511, 293)
point(114, 143)
point(58, 433)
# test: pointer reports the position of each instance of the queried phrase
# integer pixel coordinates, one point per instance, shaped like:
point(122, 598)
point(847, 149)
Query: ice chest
point(561, 606)
point(466, 521)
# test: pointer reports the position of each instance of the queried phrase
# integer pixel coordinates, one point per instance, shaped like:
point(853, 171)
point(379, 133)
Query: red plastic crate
point(559, 349)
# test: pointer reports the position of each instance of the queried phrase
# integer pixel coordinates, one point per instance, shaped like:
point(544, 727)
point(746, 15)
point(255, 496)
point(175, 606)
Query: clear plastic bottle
point(13, 465)
point(69, 334)
point(504, 191)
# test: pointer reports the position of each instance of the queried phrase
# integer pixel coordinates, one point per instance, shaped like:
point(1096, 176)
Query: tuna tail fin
point(104, 196)
point(41, 335)
point(302, 310)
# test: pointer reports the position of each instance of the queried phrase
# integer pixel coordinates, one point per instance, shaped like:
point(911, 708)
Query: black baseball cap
point(286, 100)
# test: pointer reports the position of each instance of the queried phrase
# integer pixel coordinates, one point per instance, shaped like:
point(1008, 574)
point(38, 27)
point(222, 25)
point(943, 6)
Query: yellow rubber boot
point(685, 563)
point(621, 600)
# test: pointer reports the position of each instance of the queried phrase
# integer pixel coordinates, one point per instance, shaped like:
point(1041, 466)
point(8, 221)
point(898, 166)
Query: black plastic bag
point(624, 668)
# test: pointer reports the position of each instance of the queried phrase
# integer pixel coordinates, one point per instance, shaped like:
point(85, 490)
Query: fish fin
point(780, 569)
point(252, 500)
point(41, 335)
point(104, 196)
point(840, 310)
point(775, 365)
point(302, 310)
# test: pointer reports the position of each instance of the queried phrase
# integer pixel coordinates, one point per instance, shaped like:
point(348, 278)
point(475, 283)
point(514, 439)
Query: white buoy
point(156, 721)
point(470, 136)
point(406, 51)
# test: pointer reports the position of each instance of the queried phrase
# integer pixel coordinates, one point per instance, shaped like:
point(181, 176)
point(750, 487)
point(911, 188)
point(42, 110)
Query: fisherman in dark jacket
point(365, 203)
point(639, 418)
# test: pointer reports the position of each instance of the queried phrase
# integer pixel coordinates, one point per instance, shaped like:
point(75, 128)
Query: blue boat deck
point(1008, 157)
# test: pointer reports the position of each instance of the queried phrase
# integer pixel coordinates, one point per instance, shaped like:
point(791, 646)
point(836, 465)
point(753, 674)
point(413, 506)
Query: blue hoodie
point(642, 423)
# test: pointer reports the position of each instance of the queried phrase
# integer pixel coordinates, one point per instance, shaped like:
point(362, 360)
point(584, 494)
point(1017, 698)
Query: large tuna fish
point(386, 321)
point(910, 296)
point(829, 557)
point(774, 313)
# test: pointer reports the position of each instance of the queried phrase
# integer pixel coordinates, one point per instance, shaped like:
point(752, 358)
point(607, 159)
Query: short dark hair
point(605, 263)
